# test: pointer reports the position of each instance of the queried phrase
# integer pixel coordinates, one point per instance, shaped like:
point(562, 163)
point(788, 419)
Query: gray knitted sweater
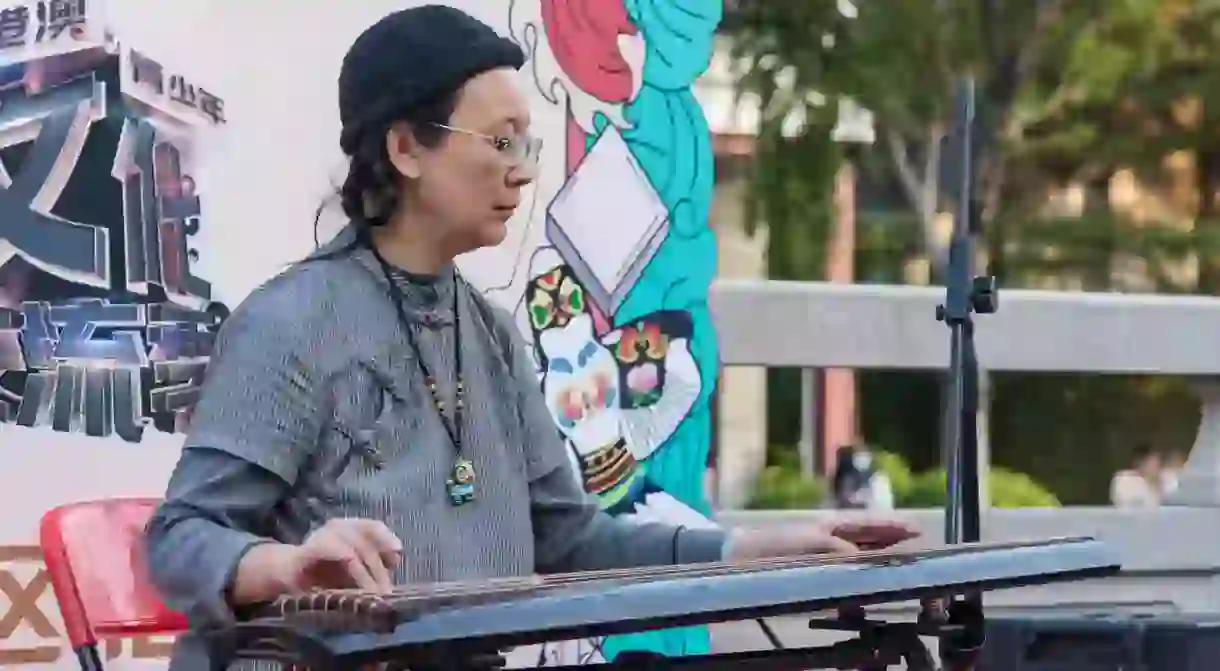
point(314, 408)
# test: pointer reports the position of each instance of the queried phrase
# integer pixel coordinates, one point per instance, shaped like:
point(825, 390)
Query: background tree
point(1071, 94)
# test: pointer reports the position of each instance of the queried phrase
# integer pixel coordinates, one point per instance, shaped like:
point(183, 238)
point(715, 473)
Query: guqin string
point(444, 593)
point(412, 600)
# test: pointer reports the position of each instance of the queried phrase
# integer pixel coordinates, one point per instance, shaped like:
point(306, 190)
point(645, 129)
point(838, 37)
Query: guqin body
point(461, 625)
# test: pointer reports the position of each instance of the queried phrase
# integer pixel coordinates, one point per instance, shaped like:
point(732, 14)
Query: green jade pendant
point(461, 484)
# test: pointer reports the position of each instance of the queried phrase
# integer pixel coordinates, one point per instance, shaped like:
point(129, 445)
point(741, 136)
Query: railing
point(1172, 554)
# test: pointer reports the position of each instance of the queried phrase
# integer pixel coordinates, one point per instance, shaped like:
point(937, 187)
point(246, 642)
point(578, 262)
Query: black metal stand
point(965, 294)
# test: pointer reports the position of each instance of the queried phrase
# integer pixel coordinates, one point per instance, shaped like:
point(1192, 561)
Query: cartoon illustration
point(616, 396)
point(607, 266)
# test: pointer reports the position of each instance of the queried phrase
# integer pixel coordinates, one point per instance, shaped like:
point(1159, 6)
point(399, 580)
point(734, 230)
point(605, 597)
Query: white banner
point(128, 222)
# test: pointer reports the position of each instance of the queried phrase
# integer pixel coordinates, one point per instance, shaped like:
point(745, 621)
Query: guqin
point(465, 625)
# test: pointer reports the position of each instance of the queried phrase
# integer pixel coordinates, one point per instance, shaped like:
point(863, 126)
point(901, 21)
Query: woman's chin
point(492, 234)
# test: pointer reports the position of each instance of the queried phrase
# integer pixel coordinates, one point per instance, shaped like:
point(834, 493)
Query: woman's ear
point(402, 150)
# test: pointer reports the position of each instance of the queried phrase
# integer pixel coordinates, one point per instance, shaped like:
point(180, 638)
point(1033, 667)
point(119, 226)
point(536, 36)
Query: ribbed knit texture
point(314, 408)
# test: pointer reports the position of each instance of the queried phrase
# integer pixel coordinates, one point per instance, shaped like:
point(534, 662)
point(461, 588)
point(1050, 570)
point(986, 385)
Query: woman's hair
point(370, 193)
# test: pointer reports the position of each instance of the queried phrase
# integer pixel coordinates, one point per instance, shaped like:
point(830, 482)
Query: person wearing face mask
point(368, 419)
point(859, 483)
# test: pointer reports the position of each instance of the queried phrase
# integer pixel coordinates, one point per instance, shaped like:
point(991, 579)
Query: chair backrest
point(94, 551)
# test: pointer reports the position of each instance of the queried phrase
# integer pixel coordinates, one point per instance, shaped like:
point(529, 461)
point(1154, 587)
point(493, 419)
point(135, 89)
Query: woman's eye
point(502, 143)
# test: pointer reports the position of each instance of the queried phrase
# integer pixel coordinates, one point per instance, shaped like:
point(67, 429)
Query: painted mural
point(608, 270)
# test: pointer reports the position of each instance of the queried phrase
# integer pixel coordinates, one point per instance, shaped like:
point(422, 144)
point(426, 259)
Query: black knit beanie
point(408, 58)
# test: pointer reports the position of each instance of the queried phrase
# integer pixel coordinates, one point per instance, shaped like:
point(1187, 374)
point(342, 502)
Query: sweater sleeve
point(254, 426)
point(572, 534)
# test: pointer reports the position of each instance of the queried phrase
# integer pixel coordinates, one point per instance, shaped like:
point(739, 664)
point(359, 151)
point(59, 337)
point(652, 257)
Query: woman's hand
point(346, 553)
point(874, 534)
point(817, 539)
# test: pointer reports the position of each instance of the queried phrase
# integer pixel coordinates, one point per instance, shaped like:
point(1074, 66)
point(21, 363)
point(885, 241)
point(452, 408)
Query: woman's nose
point(522, 175)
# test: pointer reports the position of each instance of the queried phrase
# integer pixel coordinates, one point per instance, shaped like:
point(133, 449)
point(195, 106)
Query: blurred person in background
point(859, 483)
point(1139, 486)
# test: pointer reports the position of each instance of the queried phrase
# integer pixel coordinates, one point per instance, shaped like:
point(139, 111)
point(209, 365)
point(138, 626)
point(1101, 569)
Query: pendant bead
point(461, 483)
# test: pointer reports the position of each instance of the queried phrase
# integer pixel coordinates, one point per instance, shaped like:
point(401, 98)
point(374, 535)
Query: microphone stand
point(965, 295)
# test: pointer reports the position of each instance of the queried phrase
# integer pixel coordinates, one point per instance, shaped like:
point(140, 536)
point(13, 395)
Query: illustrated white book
point(607, 221)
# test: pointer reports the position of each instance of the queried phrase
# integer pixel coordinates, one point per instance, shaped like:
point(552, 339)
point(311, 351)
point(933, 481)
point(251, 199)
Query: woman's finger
point(370, 556)
point(836, 545)
point(358, 571)
point(388, 545)
point(329, 550)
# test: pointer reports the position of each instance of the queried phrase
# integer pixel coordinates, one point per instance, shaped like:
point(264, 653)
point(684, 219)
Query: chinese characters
point(105, 330)
point(102, 368)
point(28, 634)
point(150, 74)
point(50, 19)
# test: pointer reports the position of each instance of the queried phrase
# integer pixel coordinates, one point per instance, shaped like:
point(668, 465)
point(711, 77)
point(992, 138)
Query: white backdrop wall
point(261, 176)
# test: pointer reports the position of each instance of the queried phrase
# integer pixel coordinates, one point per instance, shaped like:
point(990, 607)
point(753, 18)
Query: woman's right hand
point(347, 553)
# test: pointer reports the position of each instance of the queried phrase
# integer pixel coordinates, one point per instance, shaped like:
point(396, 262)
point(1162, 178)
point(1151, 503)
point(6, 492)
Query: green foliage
point(897, 470)
point(1009, 489)
point(1069, 93)
point(784, 488)
point(1006, 489)
point(1072, 432)
point(1068, 432)
point(929, 489)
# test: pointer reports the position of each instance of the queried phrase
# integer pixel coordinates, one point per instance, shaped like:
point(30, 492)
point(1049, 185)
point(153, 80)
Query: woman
point(368, 419)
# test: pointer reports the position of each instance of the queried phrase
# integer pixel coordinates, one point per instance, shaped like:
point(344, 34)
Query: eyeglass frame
point(527, 156)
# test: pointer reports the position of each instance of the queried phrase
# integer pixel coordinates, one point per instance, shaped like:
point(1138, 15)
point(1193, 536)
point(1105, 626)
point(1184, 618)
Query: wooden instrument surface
point(497, 614)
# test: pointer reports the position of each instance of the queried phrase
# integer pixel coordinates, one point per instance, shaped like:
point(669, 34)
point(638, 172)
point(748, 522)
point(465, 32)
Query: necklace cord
point(398, 298)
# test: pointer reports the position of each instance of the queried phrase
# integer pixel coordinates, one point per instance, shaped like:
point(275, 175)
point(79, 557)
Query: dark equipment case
point(1103, 642)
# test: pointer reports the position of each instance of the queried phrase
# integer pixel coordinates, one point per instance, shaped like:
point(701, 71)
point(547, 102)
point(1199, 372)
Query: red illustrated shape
point(583, 35)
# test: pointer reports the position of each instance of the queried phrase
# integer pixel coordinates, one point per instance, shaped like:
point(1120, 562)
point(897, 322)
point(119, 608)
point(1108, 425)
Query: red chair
point(94, 551)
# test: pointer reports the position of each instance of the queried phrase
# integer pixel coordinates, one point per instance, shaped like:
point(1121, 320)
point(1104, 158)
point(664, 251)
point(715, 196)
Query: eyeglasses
point(521, 151)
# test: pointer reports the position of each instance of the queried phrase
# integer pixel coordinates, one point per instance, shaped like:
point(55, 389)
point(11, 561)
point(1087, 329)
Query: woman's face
point(471, 183)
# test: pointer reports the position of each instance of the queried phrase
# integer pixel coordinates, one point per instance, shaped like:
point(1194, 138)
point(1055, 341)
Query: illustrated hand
point(347, 553)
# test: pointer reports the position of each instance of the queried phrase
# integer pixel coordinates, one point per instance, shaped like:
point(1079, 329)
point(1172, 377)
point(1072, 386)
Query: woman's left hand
point(874, 534)
point(817, 539)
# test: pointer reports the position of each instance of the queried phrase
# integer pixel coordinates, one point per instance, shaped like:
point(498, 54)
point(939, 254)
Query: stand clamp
point(983, 297)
